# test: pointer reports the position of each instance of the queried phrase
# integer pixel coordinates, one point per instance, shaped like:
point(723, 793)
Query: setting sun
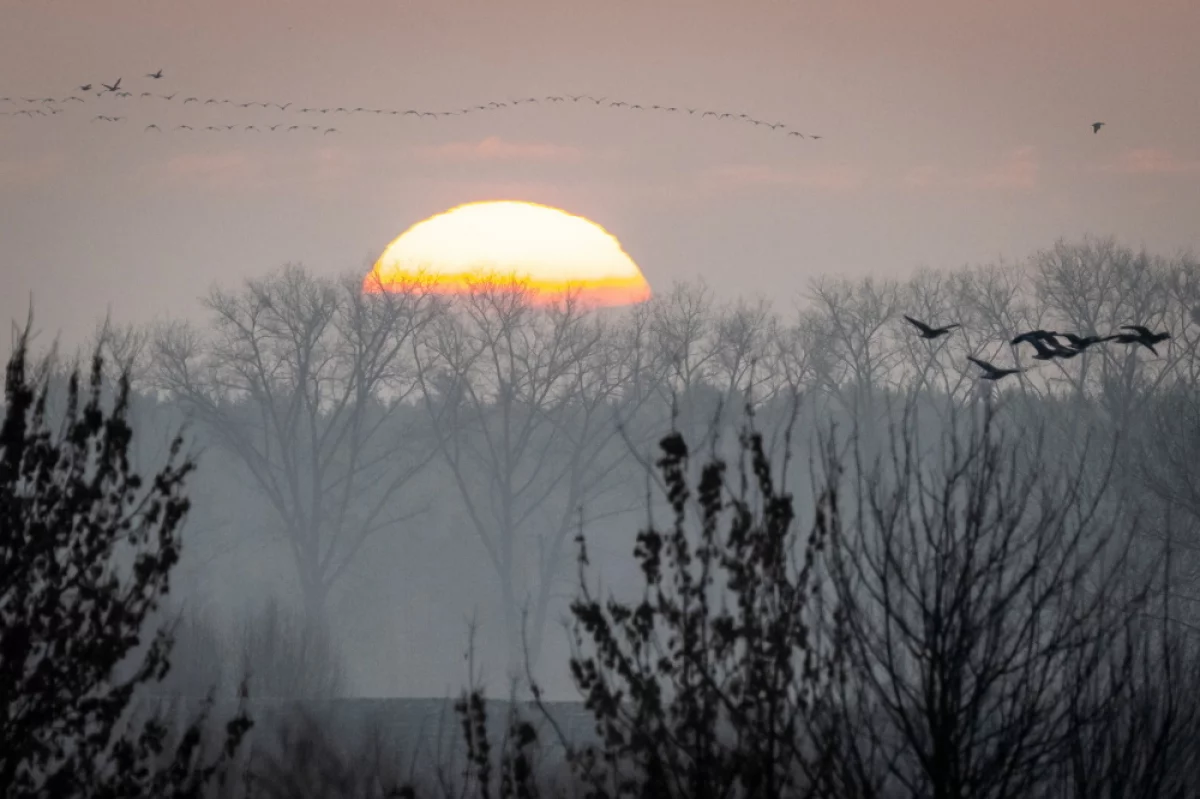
point(545, 249)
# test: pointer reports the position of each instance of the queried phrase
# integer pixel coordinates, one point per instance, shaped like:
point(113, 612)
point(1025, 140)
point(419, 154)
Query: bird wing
point(1141, 331)
point(924, 327)
point(1040, 346)
point(982, 364)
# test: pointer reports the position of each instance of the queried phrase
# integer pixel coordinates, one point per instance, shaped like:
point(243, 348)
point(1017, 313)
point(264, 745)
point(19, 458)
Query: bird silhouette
point(1045, 353)
point(155, 75)
point(927, 331)
point(1081, 343)
point(87, 87)
point(1096, 126)
point(1141, 335)
point(113, 87)
point(154, 127)
point(329, 130)
point(992, 372)
point(1063, 352)
point(1032, 336)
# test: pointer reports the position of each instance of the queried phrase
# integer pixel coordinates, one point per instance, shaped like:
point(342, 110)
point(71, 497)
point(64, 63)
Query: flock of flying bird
point(1046, 343)
point(49, 106)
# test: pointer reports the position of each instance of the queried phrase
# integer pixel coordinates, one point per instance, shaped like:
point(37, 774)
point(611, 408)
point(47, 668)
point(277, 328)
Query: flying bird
point(154, 127)
point(1063, 352)
point(991, 372)
point(113, 87)
point(1033, 335)
point(155, 75)
point(930, 332)
point(329, 130)
point(1096, 126)
point(1044, 353)
point(87, 87)
point(1141, 335)
point(1081, 343)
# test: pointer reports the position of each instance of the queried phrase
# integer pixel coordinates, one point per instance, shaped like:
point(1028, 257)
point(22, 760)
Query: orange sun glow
point(532, 246)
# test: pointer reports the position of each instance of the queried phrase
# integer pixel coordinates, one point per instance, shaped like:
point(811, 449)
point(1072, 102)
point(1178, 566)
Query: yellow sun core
point(545, 250)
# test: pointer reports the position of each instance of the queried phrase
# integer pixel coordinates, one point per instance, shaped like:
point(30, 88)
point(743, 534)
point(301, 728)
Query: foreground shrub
point(86, 553)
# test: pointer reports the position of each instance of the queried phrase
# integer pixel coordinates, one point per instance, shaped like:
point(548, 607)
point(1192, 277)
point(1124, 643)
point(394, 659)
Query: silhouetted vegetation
point(886, 579)
point(86, 552)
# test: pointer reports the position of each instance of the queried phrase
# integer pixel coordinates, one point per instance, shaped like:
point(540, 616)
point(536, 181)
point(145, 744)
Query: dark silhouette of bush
point(86, 552)
point(715, 682)
point(959, 621)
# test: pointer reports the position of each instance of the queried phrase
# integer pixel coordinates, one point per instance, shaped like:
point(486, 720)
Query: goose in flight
point(1081, 343)
point(113, 87)
point(1141, 335)
point(1096, 126)
point(1033, 335)
point(87, 87)
point(155, 75)
point(991, 372)
point(1063, 352)
point(1054, 350)
point(929, 332)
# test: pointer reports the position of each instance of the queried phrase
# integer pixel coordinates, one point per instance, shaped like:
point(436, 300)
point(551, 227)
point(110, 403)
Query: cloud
point(1151, 161)
point(216, 170)
point(494, 148)
point(831, 177)
point(240, 170)
point(30, 171)
point(1017, 170)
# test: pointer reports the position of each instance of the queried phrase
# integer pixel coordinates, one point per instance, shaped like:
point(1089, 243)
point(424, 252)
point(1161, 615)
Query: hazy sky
point(955, 133)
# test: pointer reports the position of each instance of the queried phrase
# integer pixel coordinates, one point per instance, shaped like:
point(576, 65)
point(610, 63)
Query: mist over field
point(396, 466)
point(746, 400)
point(394, 492)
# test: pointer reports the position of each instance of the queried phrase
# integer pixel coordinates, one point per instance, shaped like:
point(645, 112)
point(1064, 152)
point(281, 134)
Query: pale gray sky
point(955, 133)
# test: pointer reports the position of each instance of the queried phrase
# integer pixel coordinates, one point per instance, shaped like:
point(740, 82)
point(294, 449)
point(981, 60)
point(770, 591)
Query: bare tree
point(527, 403)
point(853, 317)
point(981, 596)
point(304, 379)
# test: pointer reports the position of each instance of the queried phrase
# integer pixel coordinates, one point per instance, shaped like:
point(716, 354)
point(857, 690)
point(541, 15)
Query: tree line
point(977, 595)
